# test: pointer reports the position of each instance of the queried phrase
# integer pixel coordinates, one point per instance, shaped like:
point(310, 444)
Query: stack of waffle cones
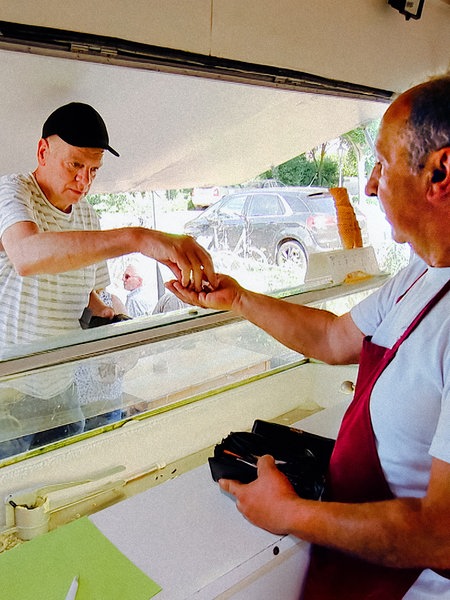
point(348, 226)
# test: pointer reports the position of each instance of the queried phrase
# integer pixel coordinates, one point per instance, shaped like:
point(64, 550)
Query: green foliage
point(319, 168)
point(328, 175)
point(360, 143)
point(303, 171)
point(297, 171)
point(109, 203)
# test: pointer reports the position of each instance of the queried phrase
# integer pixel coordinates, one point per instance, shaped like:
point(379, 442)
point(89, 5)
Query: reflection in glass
point(121, 384)
point(257, 126)
point(37, 410)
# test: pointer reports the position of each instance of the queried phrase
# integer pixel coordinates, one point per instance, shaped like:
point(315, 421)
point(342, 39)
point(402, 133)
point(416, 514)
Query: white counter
point(182, 531)
point(188, 536)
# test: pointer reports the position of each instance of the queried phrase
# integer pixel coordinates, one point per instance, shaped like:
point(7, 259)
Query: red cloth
point(355, 476)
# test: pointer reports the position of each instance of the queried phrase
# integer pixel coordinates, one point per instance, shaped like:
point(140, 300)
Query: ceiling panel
point(171, 130)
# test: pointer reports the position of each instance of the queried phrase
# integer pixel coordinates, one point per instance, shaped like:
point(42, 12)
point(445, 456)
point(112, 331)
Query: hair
point(428, 125)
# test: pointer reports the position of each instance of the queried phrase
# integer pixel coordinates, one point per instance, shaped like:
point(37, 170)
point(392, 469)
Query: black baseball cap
point(78, 124)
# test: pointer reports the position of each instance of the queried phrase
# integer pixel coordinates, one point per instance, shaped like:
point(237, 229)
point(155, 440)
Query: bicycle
point(242, 256)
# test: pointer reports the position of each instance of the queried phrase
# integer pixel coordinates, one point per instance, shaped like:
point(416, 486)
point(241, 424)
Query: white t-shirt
point(38, 306)
point(137, 304)
point(410, 403)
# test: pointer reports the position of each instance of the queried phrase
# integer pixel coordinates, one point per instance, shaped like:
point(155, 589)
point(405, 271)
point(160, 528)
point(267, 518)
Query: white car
point(204, 197)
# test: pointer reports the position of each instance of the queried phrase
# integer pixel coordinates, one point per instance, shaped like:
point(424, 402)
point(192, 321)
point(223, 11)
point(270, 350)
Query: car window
point(324, 204)
point(265, 205)
point(234, 205)
point(315, 204)
point(210, 211)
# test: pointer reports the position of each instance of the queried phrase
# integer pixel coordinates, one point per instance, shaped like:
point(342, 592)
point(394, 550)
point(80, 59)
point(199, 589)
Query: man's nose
point(372, 182)
point(84, 176)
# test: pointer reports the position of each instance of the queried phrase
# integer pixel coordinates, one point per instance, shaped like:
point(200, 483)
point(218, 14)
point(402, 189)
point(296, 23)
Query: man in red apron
point(382, 531)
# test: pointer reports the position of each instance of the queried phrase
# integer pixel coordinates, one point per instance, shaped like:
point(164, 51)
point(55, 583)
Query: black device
point(411, 9)
point(302, 456)
point(88, 320)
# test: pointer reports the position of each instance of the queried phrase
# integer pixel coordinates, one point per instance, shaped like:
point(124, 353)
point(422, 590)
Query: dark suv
point(284, 224)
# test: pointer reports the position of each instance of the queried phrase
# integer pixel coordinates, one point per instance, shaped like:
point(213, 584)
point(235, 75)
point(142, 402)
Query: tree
point(138, 206)
point(304, 170)
point(317, 168)
point(297, 171)
point(327, 170)
point(109, 203)
point(360, 152)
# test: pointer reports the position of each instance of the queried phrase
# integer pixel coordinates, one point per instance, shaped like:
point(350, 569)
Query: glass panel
point(315, 203)
point(117, 371)
point(51, 404)
point(136, 372)
point(230, 207)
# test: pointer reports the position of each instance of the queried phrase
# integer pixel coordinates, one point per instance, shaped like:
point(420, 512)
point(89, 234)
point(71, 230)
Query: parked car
point(205, 196)
point(265, 183)
point(284, 224)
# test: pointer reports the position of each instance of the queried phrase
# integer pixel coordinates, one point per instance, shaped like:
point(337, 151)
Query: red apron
point(355, 476)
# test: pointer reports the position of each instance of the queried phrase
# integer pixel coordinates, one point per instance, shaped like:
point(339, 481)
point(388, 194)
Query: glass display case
point(71, 387)
point(143, 404)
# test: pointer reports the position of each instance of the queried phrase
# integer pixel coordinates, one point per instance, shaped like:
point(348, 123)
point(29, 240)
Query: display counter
point(188, 536)
point(172, 520)
point(143, 480)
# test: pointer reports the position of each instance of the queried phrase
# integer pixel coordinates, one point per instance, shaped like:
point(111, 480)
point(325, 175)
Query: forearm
point(54, 252)
point(395, 533)
point(33, 252)
point(312, 332)
point(402, 532)
point(315, 333)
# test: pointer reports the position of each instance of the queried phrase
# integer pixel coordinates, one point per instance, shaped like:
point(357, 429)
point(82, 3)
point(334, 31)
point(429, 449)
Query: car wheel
point(292, 252)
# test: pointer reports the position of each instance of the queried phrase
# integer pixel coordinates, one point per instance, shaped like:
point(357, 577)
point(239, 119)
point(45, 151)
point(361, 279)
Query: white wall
point(365, 42)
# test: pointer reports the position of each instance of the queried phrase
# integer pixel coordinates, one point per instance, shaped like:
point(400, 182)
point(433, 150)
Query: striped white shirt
point(38, 306)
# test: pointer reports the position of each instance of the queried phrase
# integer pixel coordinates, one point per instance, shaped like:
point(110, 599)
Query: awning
point(172, 131)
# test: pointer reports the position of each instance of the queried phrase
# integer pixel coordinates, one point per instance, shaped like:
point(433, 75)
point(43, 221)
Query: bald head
point(424, 112)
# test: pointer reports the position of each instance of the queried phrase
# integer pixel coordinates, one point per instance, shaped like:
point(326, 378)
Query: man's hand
point(265, 501)
point(189, 262)
point(402, 532)
point(224, 295)
point(98, 308)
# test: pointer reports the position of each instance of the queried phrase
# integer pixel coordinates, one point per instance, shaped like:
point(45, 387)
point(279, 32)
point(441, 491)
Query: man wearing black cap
point(52, 251)
point(79, 125)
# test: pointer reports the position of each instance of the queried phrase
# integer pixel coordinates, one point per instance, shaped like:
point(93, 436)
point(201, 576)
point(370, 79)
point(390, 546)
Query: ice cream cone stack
point(348, 226)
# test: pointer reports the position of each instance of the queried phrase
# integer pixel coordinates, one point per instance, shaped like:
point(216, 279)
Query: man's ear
point(42, 151)
point(439, 168)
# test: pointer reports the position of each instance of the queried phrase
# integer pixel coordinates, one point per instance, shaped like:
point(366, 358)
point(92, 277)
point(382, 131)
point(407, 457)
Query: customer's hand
point(189, 262)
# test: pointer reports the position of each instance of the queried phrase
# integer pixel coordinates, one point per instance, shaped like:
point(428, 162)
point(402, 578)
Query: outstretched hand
point(189, 262)
point(265, 502)
point(224, 294)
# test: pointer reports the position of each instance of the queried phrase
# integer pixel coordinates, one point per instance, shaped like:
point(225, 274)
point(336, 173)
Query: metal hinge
point(79, 48)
